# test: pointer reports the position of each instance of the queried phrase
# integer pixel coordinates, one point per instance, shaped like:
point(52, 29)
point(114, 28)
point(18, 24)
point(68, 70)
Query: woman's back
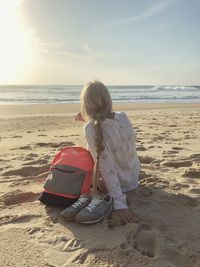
point(120, 149)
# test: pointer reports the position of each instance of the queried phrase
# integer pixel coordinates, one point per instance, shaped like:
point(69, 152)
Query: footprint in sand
point(172, 125)
point(54, 145)
point(192, 173)
point(16, 136)
point(62, 243)
point(28, 147)
point(141, 148)
point(28, 171)
point(143, 240)
point(38, 232)
point(151, 146)
point(24, 147)
point(188, 136)
point(144, 191)
point(178, 164)
point(18, 197)
point(18, 219)
point(146, 159)
point(179, 255)
point(159, 138)
point(31, 156)
point(177, 148)
point(194, 190)
point(6, 219)
point(8, 166)
point(169, 153)
point(144, 175)
point(195, 157)
point(138, 131)
point(37, 162)
point(178, 186)
point(184, 200)
point(59, 249)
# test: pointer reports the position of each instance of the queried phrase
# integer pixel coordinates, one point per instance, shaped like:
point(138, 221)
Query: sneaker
point(70, 212)
point(98, 208)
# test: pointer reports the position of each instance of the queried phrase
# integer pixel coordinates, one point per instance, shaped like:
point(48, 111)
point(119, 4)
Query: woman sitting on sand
point(111, 141)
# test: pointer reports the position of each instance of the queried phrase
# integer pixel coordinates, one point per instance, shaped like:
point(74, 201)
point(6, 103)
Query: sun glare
point(15, 43)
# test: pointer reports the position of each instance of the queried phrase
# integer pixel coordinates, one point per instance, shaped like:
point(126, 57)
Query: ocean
point(51, 94)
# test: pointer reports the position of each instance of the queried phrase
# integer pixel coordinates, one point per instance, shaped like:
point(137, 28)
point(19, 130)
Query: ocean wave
point(71, 94)
point(36, 100)
point(155, 89)
point(178, 88)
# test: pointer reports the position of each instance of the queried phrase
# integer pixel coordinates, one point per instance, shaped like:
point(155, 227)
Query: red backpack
point(70, 175)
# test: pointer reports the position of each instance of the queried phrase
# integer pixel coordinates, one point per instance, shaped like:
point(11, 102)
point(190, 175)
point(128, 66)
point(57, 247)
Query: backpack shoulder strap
point(95, 176)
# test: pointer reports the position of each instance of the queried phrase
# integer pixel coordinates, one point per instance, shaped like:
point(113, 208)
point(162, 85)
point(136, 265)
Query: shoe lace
point(78, 202)
point(93, 204)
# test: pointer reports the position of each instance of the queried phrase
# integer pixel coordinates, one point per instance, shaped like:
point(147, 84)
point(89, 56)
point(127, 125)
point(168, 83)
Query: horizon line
point(46, 84)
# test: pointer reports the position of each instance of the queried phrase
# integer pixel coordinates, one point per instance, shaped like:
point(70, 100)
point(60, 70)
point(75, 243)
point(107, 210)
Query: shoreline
point(29, 110)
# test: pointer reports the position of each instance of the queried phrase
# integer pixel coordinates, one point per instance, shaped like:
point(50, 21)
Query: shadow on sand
point(167, 235)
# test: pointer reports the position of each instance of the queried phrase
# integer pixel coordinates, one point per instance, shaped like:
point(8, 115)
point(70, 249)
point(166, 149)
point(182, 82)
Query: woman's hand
point(79, 117)
point(126, 215)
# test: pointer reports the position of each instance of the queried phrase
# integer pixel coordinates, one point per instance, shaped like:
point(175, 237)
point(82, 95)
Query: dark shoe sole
point(68, 218)
point(72, 218)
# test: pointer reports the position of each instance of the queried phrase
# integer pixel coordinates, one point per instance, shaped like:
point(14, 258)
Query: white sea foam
point(71, 94)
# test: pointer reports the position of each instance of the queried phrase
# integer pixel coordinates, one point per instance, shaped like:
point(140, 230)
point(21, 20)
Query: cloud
point(87, 54)
point(149, 12)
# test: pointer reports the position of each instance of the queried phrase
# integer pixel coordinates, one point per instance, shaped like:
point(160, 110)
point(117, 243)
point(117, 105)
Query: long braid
point(96, 105)
point(99, 148)
point(98, 136)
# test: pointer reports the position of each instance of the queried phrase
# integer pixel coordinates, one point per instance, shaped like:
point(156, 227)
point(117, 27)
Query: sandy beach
point(167, 200)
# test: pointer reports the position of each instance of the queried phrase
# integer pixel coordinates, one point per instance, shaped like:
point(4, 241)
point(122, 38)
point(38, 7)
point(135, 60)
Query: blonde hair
point(96, 105)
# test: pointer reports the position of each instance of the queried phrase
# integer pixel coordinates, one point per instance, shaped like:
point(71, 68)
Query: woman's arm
point(108, 170)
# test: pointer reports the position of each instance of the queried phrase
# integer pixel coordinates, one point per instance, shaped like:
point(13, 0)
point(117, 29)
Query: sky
point(146, 42)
